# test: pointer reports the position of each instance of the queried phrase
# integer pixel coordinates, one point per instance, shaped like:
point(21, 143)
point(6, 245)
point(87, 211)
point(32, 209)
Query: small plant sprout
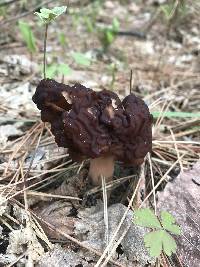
point(47, 16)
point(62, 39)
point(27, 36)
point(160, 238)
point(81, 59)
point(112, 68)
point(89, 24)
point(174, 12)
point(108, 34)
point(56, 69)
point(174, 8)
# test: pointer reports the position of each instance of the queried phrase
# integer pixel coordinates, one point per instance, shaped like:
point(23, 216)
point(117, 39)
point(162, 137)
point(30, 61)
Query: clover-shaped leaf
point(168, 223)
point(146, 217)
point(47, 15)
point(159, 240)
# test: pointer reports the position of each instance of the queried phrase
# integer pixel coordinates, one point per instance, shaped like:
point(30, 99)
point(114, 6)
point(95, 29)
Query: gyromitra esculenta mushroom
point(96, 125)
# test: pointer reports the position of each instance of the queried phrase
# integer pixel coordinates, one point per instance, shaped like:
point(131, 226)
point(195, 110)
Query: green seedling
point(47, 16)
point(55, 69)
point(89, 24)
point(51, 71)
point(75, 20)
point(108, 34)
point(3, 11)
point(174, 13)
point(62, 39)
point(112, 68)
point(27, 36)
point(81, 59)
point(175, 8)
point(160, 238)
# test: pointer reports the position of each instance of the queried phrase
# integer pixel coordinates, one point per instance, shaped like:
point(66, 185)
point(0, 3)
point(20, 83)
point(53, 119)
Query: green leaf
point(51, 71)
point(89, 24)
point(64, 69)
point(168, 223)
point(81, 59)
point(28, 36)
point(59, 10)
point(3, 11)
point(153, 243)
point(109, 36)
point(159, 240)
point(115, 25)
point(62, 39)
point(145, 217)
point(47, 15)
point(167, 10)
point(171, 114)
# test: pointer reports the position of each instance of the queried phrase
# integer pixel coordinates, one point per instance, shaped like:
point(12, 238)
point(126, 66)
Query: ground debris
point(19, 238)
point(60, 257)
point(88, 227)
point(3, 205)
point(19, 65)
point(9, 130)
point(182, 198)
point(16, 104)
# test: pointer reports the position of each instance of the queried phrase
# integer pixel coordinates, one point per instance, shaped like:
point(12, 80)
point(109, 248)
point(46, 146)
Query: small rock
point(20, 64)
point(7, 131)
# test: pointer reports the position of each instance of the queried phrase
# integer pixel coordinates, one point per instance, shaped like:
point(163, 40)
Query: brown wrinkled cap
point(93, 124)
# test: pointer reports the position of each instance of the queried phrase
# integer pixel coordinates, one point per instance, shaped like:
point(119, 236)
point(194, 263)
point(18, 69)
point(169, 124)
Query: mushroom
point(96, 125)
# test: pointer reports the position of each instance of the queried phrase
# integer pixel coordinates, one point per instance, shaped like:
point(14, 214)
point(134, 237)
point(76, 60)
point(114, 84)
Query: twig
point(42, 194)
point(115, 246)
point(29, 168)
point(24, 140)
point(8, 2)
point(105, 209)
point(142, 187)
point(153, 184)
point(140, 35)
point(161, 180)
point(177, 150)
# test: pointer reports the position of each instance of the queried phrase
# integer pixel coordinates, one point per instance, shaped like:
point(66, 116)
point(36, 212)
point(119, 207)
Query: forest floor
point(42, 216)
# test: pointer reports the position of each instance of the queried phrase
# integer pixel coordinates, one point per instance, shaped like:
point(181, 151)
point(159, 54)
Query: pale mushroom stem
point(102, 166)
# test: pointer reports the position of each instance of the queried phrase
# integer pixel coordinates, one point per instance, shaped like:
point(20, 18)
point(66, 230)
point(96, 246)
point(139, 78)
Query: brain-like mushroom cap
point(93, 124)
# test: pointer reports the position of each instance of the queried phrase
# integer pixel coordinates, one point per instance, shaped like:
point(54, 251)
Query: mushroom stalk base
point(102, 166)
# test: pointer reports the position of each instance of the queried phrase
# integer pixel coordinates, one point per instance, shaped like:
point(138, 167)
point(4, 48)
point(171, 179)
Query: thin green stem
point(45, 48)
point(131, 81)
